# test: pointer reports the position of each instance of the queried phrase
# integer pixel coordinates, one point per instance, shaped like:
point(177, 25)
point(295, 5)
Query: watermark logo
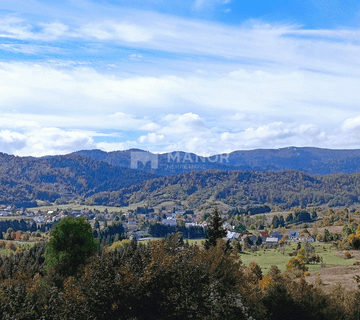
point(143, 158)
point(177, 157)
point(176, 160)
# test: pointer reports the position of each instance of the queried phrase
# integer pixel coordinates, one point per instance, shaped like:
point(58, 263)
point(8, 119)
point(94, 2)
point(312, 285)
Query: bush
point(295, 263)
point(11, 246)
point(25, 237)
point(348, 255)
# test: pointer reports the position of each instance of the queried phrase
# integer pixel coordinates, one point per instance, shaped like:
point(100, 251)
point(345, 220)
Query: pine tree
point(215, 230)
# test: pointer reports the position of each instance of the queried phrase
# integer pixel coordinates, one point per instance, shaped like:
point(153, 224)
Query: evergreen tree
point(70, 244)
point(215, 230)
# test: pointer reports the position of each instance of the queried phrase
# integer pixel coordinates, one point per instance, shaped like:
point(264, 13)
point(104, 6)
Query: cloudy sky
point(205, 76)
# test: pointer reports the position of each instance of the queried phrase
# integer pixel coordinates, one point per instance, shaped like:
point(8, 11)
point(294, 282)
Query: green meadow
point(266, 258)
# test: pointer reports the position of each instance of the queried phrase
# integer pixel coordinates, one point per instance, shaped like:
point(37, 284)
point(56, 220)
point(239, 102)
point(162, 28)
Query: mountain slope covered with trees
point(26, 179)
point(238, 188)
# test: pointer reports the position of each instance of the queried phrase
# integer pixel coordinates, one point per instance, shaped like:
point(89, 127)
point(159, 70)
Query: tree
point(289, 218)
point(314, 215)
point(70, 244)
point(215, 230)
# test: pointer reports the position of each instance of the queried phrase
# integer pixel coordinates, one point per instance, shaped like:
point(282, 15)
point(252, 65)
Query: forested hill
point(308, 160)
point(106, 178)
point(238, 188)
point(26, 179)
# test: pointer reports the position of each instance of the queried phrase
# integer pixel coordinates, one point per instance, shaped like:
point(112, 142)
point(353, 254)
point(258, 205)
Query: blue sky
point(204, 76)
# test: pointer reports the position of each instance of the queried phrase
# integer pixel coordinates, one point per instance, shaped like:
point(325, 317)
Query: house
point(193, 224)
point(18, 235)
point(272, 240)
point(169, 222)
point(76, 213)
point(55, 218)
point(252, 238)
point(231, 235)
point(171, 216)
point(294, 235)
point(276, 235)
point(39, 219)
point(306, 237)
point(179, 212)
point(263, 235)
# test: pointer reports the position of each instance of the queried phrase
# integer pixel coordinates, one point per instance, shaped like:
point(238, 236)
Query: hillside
point(248, 177)
point(26, 179)
point(239, 188)
point(308, 160)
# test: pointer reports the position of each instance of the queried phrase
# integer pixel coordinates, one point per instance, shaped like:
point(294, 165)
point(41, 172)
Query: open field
point(335, 275)
point(80, 207)
point(191, 241)
point(337, 270)
point(18, 244)
point(73, 206)
point(265, 259)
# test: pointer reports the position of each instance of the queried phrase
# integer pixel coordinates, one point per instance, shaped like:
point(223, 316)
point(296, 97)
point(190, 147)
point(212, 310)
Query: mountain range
point(309, 160)
point(110, 178)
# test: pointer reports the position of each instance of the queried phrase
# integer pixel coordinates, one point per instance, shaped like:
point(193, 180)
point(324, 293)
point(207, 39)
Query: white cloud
point(15, 28)
point(199, 4)
point(111, 30)
point(44, 141)
point(27, 48)
point(269, 86)
point(11, 141)
point(351, 125)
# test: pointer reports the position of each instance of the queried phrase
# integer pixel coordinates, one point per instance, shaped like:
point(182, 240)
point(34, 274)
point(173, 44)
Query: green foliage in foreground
point(71, 242)
point(164, 279)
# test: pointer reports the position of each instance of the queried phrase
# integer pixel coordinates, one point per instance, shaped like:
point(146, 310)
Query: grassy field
point(24, 246)
point(265, 259)
point(191, 241)
point(73, 206)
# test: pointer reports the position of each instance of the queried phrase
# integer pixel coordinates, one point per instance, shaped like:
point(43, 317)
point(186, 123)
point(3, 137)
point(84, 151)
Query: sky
point(202, 76)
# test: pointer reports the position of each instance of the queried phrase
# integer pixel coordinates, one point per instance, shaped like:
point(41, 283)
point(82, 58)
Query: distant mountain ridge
point(107, 177)
point(26, 179)
point(306, 159)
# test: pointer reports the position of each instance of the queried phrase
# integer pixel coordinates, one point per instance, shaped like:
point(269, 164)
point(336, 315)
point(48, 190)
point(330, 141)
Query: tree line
point(70, 277)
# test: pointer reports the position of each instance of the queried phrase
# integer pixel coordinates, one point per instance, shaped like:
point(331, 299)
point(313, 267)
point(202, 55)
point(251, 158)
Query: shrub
point(295, 263)
point(255, 268)
point(348, 255)
point(25, 237)
point(11, 246)
point(265, 282)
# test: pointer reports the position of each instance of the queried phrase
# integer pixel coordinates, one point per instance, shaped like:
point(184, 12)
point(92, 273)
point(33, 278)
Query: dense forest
point(286, 189)
point(309, 160)
point(23, 180)
point(26, 180)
